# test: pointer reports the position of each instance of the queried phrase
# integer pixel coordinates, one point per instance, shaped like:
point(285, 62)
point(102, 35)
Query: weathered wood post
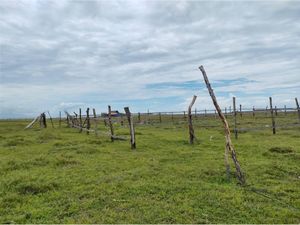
point(43, 122)
point(234, 114)
point(131, 126)
point(241, 114)
point(95, 121)
point(159, 117)
point(298, 109)
point(80, 120)
point(59, 119)
point(272, 115)
point(110, 124)
point(88, 123)
point(285, 110)
point(191, 128)
point(229, 147)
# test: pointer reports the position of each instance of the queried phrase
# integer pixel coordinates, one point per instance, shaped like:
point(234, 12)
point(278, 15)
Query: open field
point(61, 176)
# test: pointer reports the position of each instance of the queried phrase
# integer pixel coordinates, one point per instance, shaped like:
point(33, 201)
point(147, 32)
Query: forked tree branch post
point(228, 147)
point(191, 128)
point(131, 126)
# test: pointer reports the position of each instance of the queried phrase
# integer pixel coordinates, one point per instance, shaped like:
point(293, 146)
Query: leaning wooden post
point(110, 124)
point(88, 123)
point(59, 119)
point(229, 146)
point(132, 132)
point(272, 115)
point(80, 120)
point(234, 114)
point(95, 121)
point(191, 128)
point(298, 109)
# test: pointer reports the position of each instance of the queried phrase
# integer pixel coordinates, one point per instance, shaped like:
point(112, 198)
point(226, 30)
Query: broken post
point(234, 115)
point(298, 109)
point(191, 129)
point(110, 124)
point(131, 126)
point(229, 145)
point(272, 115)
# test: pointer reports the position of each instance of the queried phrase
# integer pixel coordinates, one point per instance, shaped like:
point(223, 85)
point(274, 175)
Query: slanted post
point(132, 132)
point(110, 124)
point(88, 123)
point(298, 109)
point(59, 119)
point(95, 121)
point(272, 115)
point(234, 114)
point(228, 147)
point(80, 120)
point(191, 129)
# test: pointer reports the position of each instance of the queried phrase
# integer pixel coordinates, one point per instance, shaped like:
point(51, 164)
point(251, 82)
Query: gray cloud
point(68, 51)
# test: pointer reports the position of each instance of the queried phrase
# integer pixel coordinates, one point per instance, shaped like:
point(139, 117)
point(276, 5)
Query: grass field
point(62, 176)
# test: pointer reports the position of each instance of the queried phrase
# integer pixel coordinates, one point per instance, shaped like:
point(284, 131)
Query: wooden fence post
point(298, 109)
point(228, 146)
point(234, 114)
point(110, 124)
point(95, 121)
point(191, 129)
point(80, 120)
point(43, 122)
point(241, 114)
point(88, 123)
point(272, 115)
point(285, 110)
point(59, 119)
point(132, 132)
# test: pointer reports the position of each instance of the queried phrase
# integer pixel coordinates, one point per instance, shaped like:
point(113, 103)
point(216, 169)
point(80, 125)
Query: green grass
point(63, 176)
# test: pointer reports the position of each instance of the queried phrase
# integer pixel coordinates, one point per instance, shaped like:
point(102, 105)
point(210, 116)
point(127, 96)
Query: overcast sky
point(58, 55)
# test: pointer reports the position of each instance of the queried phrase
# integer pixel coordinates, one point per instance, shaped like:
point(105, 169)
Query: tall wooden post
point(234, 114)
point(272, 115)
point(229, 147)
point(80, 120)
point(132, 132)
point(95, 121)
point(59, 119)
point(191, 129)
point(88, 123)
point(110, 124)
point(298, 109)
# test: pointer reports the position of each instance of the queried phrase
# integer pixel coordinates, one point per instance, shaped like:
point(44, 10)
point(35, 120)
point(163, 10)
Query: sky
point(62, 55)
